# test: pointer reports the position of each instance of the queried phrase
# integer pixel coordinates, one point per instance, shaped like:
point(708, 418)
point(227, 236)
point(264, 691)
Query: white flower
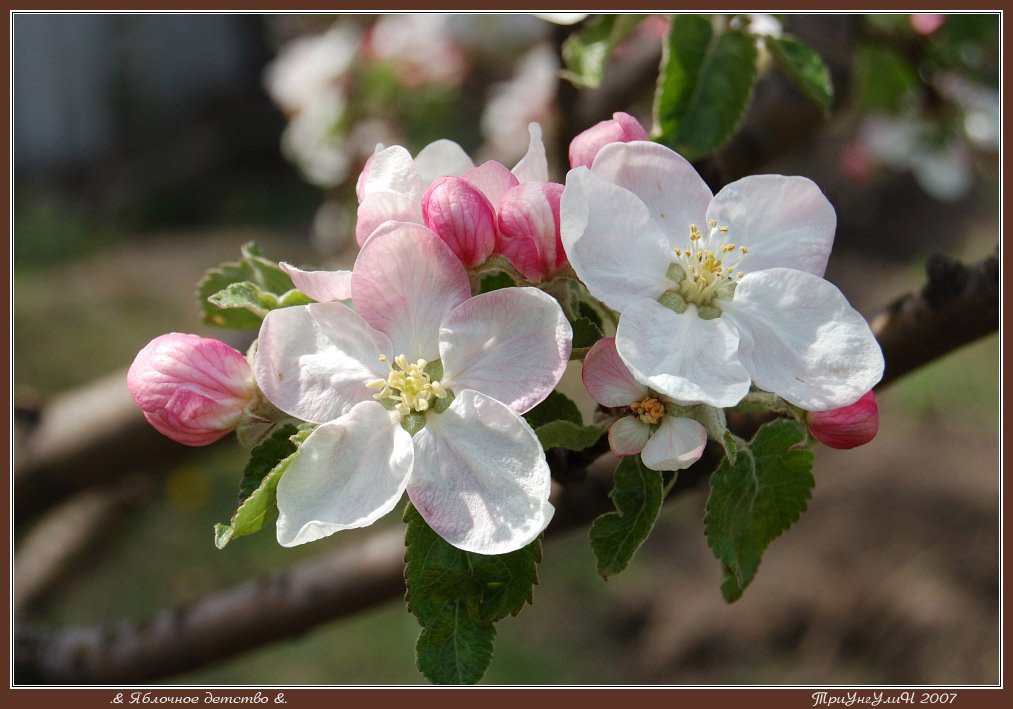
point(417, 353)
point(310, 69)
point(716, 291)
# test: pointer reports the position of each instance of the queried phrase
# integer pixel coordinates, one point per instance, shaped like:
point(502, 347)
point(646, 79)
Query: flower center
point(649, 410)
point(407, 385)
point(705, 271)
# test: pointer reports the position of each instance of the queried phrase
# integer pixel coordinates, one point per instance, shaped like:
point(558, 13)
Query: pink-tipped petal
point(321, 286)
point(628, 436)
point(460, 214)
point(390, 170)
point(313, 361)
point(607, 378)
point(191, 389)
point(622, 128)
point(405, 282)
point(846, 427)
point(529, 217)
point(381, 207)
point(480, 478)
point(676, 445)
point(511, 344)
point(492, 178)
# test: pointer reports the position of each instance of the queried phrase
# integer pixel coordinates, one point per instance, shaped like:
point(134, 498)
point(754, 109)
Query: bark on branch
point(958, 305)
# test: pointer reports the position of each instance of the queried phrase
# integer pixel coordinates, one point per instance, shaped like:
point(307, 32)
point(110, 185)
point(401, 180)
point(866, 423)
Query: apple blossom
point(847, 427)
point(716, 292)
point(419, 389)
point(192, 389)
point(664, 440)
point(621, 128)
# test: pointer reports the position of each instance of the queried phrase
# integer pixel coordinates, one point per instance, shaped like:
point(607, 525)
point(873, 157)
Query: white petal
point(405, 282)
point(676, 445)
point(607, 378)
point(674, 193)
point(313, 361)
point(381, 207)
point(492, 178)
point(533, 167)
point(628, 436)
point(392, 170)
point(349, 473)
point(480, 478)
point(511, 344)
point(800, 339)
point(439, 159)
point(322, 286)
point(683, 356)
point(615, 247)
point(785, 222)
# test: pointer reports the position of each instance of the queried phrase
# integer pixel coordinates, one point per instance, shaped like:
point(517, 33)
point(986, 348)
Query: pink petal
point(462, 216)
point(405, 282)
point(492, 178)
point(381, 207)
point(676, 445)
point(321, 286)
point(390, 170)
point(607, 378)
point(511, 344)
point(622, 128)
point(848, 426)
point(529, 220)
point(191, 389)
point(628, 436)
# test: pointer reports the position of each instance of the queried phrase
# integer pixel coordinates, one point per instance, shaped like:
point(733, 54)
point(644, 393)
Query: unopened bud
point(622, 128)
point(846, 427)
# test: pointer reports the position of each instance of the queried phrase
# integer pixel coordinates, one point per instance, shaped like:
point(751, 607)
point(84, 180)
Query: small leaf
point(457, 596)
point(252, 268)
point(804, 66)
point(756, 498)
point(245, 296)
point(585, 333)
point(555, 407)
point(586, 52)
point(616, 536)
point(495, 281)
point(566, 434)
point(257, 501)
point(704, 86)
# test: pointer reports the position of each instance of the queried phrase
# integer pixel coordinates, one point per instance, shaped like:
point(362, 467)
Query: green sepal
point(804, 66)
point(257, 501)
point(704, 86)
point(457, 596)
point(637, 494)
point(586, 52)
point(251, 268)
point(755, 498)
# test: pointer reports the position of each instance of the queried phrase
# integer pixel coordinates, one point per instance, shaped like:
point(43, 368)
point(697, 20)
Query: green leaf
point(245, 296)
point(616, 536)
point(585, 333)
point(457, 596)
point(569, 435)
point(495, 280)
point(253, 268)
point(756, 498)
point(257, 502)
point(704, 86)
point(586, 52)
point(555, 407)
point(804, 66)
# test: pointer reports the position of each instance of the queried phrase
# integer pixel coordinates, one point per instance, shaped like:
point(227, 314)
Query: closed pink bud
point(463, 217)
point(846, 427)
point(191, 389)
point(623, 128)
point(529, 229)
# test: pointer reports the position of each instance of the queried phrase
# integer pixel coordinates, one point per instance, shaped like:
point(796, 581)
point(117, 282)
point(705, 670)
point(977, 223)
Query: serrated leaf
point(754, 499)
point(257, 490)
point(555, 407)
point(245, 296)
point(456, 648)
point(804, 66)
point(586, 52)
point(637, 495)
point(585, 333)
point(704, 86)
point(569, 435)
point(251, 267)
point(457, 596)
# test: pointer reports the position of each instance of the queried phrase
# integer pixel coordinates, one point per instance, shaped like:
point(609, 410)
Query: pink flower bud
point(529, 229)
point(926, 23)
point(463, 217)
point(191, 389)
point(846, 427)
point(623, 128)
